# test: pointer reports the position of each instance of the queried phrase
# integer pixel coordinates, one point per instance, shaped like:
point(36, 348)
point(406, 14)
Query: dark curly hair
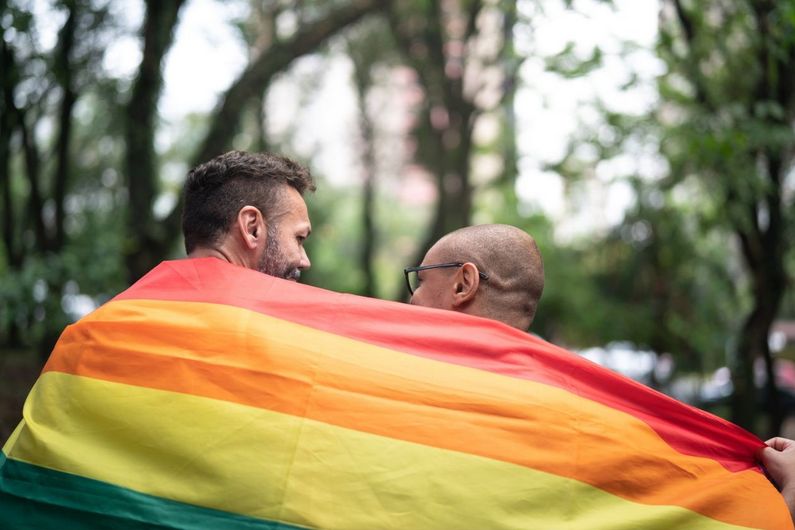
point(216, 191)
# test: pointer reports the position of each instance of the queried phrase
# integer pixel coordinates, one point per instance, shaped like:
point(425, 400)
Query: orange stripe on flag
point(245, 357)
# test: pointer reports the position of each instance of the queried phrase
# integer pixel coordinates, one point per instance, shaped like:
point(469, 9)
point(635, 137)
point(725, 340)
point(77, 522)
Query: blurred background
point(647, 145)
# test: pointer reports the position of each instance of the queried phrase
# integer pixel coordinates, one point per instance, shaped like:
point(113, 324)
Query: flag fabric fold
point(211, 396)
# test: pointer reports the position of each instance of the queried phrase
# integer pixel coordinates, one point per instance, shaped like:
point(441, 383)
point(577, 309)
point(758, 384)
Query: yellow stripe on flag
point(281, 467)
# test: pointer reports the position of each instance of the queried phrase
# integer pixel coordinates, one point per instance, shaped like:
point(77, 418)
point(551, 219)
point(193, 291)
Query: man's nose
point(304, 263)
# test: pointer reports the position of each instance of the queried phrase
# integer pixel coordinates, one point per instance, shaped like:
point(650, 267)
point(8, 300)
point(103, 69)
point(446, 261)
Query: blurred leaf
point(568, 65)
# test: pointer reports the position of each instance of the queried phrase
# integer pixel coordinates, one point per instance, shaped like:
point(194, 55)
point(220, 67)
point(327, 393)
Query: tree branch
point(747, 228)
point(472, 18)
point(275, 59)
point(689, 29)
point(256, 77)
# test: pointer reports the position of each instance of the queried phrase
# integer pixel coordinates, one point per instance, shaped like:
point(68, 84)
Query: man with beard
point(248, 209)
point(242, 211)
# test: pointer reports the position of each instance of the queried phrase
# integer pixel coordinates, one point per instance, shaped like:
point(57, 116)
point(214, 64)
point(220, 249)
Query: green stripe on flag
point(35, 497)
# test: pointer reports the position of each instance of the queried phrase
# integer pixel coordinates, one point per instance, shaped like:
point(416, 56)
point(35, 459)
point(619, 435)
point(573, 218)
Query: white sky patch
point(551, 110)
point(541, 189)
point(323, 123)
point(123, 55)
point(48, 22)
point(334, 115)
point(207, 55)
point(282, 105)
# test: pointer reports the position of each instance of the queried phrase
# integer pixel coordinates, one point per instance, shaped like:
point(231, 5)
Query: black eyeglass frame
point(409, 270)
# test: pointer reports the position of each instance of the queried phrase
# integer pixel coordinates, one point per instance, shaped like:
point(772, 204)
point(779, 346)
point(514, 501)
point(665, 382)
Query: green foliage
point(567, 64)
point(656, 280)
point(42, 278)
point(708, 275)
point(335, 245)
point(45, 295)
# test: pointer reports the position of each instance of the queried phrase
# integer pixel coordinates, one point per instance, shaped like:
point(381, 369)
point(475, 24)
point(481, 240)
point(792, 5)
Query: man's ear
point(466, 285)
point(251, 226)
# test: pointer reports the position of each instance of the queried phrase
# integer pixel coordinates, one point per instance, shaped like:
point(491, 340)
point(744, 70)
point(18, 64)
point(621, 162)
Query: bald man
point(491, 271)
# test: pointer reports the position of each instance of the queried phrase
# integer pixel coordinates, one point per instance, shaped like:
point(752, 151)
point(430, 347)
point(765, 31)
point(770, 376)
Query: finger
point(780, 444)
point(768, 455)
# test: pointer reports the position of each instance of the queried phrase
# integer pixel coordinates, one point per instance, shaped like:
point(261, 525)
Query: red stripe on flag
point(449, 337)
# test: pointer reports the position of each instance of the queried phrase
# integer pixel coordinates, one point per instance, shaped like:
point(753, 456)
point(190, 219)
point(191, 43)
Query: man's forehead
point(432, 256)
point(292, 205)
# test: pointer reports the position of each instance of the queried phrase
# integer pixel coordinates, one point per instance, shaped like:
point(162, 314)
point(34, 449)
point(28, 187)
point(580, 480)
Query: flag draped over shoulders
point(211, 396)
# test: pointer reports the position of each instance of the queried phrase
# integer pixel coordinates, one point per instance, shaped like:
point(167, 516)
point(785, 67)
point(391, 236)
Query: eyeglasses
point(413, 279)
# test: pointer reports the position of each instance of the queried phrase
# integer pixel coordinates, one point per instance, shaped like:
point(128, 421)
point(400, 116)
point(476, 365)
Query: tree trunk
point(445, 137)
point(764, 246)
point(64, 76)
point(763, 250)
point(753, 344)
point(763, 243)
point(7, 126)
point(262, 129)
point(33, 171)
point(63, 73)
point(143, 249)
point(511, 63)
point(362, 82)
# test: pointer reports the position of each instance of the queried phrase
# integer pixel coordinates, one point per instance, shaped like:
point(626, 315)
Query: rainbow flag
point(211, 396)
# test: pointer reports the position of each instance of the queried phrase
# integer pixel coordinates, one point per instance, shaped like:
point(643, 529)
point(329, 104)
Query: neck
point(219, 253)
point(513, 318)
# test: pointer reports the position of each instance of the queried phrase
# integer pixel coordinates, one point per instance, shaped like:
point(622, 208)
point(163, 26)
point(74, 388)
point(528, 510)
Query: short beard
point(274, 262)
